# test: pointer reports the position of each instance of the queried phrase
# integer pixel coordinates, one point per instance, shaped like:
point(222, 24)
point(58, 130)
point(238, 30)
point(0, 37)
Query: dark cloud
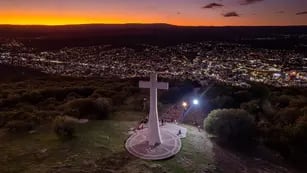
point(280, 12)
point(301, 13)
point(247, 2)
point(231, 14)
point(213, 5)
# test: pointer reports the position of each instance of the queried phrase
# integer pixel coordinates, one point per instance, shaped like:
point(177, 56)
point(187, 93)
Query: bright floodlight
point(184, 104)
point(195, 102)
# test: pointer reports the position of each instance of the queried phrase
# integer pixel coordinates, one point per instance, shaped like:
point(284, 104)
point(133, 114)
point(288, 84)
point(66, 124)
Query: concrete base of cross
point(138, 145)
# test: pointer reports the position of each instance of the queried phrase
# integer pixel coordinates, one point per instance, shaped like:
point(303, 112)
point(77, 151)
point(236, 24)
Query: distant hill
point(159, 34)
point(131, 29)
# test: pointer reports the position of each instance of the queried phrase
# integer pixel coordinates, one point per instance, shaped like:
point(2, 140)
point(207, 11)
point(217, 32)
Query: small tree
point(64, 127)
point(89, 108)
point(2, 121)
point(287, 116)
point(260, 91)
point(19, 126)
point(230, 125)
point(252, 107)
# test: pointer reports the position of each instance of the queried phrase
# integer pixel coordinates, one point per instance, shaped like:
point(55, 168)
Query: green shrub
point(25, 107)
point(103, 107)
point(64, 127)
point(132, 90)
point(89, 108)
point(4, 94)
point(287, 116)
point(242, 96)
point(171, 96)
point(31, 97)
point(289, 140)
point(83, 91)
point(222, 102)
point(267, 107)
point(72, 96)
point(10, 101)
point(2, 120)
point(119, 98)
point(19, 126)
point(300, 130)
point(136, 103)
point(214, 91)
point(230, 125)
point(304, 110)
point(20, 115)
point(104, 93)
point(61, 93)
point(299, 101)
point(253, 106)
point(299, 140)
point(283, 101)
point(46, 115)
point(49, 104)
point(277, 138)
point(260, 91)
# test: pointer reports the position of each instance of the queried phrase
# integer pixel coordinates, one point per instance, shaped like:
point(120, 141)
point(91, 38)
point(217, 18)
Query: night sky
point(177, 12)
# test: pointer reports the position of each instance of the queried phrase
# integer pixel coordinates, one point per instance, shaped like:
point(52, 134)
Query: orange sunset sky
point(177, 12)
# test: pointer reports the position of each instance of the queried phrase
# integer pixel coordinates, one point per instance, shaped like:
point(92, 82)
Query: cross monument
point(147, 143)
point(154, 135)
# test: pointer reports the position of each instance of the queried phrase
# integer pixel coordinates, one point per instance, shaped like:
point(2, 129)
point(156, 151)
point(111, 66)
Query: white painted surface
point(154, 134)
point(174, 129)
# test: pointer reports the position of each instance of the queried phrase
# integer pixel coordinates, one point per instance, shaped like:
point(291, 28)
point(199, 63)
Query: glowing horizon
point(174, 12)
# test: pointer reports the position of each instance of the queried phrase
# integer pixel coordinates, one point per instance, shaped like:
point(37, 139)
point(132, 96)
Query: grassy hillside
point(29, 106)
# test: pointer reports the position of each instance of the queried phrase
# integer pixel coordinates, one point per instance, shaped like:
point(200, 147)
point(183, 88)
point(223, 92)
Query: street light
point(184, 104)
point(195, 102)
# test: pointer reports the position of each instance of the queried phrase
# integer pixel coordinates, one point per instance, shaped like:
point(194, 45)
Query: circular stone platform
point(138, 146)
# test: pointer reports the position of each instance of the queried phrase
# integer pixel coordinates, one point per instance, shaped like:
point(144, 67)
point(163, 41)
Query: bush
point(44, 116)
point(299, 101)
point(242, 96)
point(48, 104)
point(171, 96)
point(103, 107)
point(119, 98)
point(300, 130)
point(72, 96)
point(89, 108)
point(260, 91)
point(31, 97)
point(61, 93)
point(287, 116)
point(282, 101)
point(135, 103)
point(222, 102)
point(304, 110)
point(267, 107)
point(104, 93)
point(19, 126)
point(2, 121)
point(230, 125)
point(253, 106)
point(64, 127)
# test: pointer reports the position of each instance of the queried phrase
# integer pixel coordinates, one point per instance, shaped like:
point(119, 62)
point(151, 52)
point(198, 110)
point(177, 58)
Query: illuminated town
point(229, 63)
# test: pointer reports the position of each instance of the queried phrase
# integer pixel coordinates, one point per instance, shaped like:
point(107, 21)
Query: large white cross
point(154, 136)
